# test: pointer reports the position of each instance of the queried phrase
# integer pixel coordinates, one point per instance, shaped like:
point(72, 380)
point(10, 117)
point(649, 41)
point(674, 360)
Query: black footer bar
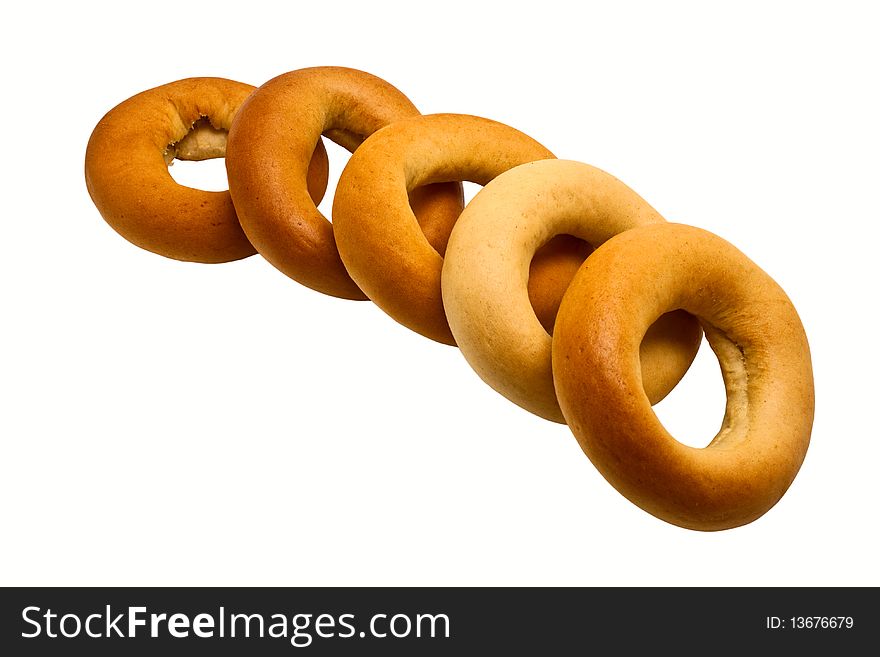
point(433, 621)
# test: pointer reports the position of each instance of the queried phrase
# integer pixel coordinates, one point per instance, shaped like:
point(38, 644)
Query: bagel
point(379, 239)
point(126, 170)
point(759, 340)
point(267, 159)
point(486, 276)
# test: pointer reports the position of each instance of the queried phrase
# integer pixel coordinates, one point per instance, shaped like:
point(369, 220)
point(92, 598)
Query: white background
point(174, 423)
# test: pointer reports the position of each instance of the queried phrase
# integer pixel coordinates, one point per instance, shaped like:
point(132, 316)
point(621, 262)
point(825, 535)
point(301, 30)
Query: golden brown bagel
point(765, 361)
point(487, 270)
point(379, 239)
point(127, 174)
point(270, 143)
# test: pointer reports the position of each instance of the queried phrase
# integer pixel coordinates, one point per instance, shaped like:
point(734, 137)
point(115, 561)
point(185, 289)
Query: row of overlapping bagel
point(547, 247)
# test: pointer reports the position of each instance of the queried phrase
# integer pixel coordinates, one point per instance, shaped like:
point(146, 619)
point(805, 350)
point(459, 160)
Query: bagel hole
point(424, 206)
point(694, 411)
point(338, 158)
point(470, 190)
point(552, 268)
point(197, 160)
point(207, 175)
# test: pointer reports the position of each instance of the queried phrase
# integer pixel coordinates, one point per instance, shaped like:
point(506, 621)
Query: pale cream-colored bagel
point(765, 361)
point(127, 174)
point(380, 241)
point(270, 143)
point(486, 275)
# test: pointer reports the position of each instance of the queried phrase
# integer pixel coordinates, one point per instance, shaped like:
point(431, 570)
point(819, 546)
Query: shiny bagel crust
point(270, 143)
point(126, 170)
point(487, 270)
point(751, 326)
point(380, 241)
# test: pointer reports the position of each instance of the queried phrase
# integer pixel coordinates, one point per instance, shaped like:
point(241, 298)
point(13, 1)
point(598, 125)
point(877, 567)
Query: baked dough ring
point(127, 174)
point(765, 362)
point(486, 273)
point(379, 239)
point(270, 143)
